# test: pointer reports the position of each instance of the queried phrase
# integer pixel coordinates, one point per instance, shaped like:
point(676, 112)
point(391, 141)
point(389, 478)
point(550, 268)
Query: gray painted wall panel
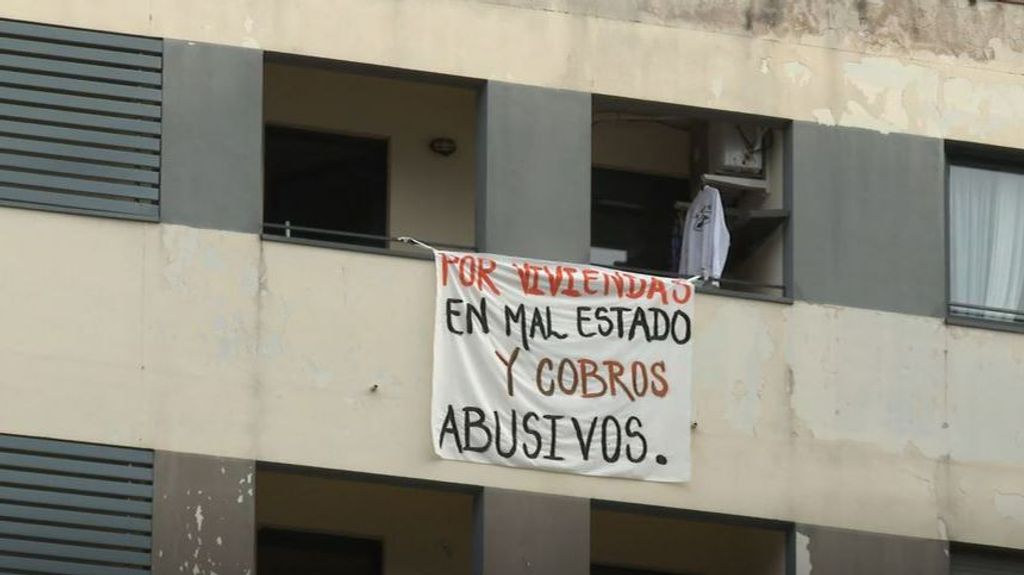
point(213, 137)
point(204, 516)
point(840, 552)
point(520, 533)
point(533, 195)
point(868, 224)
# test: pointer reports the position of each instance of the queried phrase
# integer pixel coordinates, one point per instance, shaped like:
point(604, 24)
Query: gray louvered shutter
point(80, 119)
point(74, 508)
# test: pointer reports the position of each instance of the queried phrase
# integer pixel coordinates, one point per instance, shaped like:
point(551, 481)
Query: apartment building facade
point(216, 355)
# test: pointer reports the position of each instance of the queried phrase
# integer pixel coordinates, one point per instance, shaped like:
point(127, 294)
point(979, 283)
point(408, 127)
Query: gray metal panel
point(68, 97)
point(57, 516)
point(844, 552)
point(79, 152)
point(82, 86)
point(533, 196)
point(77, 69)
point(79, 135)
point(868, 219)
point(75, 466)
point(104, 171)
point(212, 167)
point(79, 119)
point(42, 98)
point(548, 533)
point(78, 185)
point(99, 486)
point(52, 49)
point(75, 500)
point(73, 518)
point(29, 198)
point(65, 567)
point(71, 534)
point(28, 29)
point(74, 552)
point(79, 450)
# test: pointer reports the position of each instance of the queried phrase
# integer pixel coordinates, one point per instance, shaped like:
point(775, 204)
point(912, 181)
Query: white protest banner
point(562, 367)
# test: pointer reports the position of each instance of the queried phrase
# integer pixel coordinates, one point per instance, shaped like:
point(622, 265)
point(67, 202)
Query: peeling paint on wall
point(198, 528)
point(980, 31)
point(1010, 506)
point(802, 561)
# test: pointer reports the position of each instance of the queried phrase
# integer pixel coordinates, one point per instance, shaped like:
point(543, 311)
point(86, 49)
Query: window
point(327, 187)
point(357, 156)
point(986, 241)
point(650, 161)
point(283, 552)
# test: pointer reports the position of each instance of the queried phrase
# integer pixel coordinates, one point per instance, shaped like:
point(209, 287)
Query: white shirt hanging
point(705, 237)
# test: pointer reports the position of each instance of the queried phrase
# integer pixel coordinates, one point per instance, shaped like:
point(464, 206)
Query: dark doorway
point(325, 181)
point(286, 552)
point(636, 213)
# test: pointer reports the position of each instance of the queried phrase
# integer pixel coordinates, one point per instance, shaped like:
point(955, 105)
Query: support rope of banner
point(413, 241)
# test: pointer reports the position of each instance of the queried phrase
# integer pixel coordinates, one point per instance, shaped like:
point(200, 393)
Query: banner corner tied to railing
point(562, 367)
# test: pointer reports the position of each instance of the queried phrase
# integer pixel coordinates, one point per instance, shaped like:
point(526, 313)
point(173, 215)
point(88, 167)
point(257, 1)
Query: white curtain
point(986, 240)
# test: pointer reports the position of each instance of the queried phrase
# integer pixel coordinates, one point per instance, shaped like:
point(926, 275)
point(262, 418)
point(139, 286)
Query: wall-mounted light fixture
point(443, 146)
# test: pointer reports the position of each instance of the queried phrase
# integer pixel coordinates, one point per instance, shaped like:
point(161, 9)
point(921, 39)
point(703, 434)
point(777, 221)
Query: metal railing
point(976, 311)
point(361, 241)
point(343, 238)
point(707, 282)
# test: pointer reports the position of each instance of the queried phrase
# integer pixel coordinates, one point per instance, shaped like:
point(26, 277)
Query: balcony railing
point(987, 314)
point(373, 243)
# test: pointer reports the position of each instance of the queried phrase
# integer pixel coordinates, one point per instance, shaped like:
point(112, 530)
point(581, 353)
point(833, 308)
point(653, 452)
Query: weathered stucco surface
point(217, 343)
point(942, 68)
point(982, 30)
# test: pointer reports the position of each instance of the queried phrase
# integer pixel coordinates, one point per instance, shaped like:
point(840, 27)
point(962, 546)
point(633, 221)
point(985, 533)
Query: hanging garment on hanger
point(705, 236)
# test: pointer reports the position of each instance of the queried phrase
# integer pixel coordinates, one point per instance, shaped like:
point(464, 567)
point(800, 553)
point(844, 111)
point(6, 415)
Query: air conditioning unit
point(736, 148)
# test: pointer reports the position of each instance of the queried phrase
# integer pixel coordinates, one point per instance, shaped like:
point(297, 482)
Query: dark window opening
point(284, 552)
point(650, 163)
point(633, 218)
point(596, 569)
point(326, 187)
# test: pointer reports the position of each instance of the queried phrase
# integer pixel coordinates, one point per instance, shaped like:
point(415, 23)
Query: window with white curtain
point(986, 243)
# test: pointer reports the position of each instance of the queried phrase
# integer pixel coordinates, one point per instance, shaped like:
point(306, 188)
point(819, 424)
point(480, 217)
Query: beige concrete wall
point(431, 196)
point(423, 532)
point(943, 68)
point(643, 147)
point(214, 342)
point(672, 545)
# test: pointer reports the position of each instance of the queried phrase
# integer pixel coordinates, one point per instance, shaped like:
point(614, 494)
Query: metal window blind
point(80, 119)
point(74, 508)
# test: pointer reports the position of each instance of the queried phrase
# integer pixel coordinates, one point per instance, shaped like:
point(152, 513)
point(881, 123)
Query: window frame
point(993, 158)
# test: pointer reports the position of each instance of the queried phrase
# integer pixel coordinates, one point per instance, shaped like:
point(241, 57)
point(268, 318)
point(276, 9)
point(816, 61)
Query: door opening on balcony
point(285, 551)
point(325, 186)
point(356, 156)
